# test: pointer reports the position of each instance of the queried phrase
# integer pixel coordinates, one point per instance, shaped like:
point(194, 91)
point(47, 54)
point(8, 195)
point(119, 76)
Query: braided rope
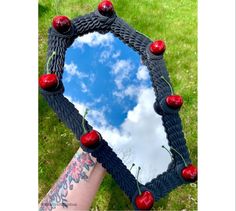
point(66, 111)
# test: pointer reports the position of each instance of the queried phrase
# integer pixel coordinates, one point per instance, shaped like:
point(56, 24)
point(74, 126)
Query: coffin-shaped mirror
point(103, 74)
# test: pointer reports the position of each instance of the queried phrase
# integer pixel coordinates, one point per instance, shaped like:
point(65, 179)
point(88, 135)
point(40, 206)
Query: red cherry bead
point(90, 139)
point(106, 8)
point(144, 201)
point(189, 173)
point(61, 23)
point(174, 101)
point(48, 81)
point(157, 47)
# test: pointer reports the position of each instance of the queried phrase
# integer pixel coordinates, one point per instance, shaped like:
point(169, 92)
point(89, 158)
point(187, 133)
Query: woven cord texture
point(129, 36)
point(164, 183)
point(117, 169)
point(66, 112)
point(171, 121)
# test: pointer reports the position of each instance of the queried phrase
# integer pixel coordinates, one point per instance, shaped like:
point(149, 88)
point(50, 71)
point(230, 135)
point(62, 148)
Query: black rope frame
point(167, 181)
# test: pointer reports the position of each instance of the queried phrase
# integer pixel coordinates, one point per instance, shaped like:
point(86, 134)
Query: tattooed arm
point(77, 186)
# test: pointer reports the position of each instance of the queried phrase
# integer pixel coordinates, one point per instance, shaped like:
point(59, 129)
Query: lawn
point(175, 21)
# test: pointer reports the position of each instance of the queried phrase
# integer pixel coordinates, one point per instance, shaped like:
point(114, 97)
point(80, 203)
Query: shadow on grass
point(42, 10)
point(161, 204)
point(118, 200)
point(43, 106)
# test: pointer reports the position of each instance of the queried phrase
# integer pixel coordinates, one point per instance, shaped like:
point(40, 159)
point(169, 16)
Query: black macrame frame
point(163, 183)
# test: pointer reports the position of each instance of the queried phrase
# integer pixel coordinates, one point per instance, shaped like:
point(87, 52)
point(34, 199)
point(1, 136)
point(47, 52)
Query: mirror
point(103, 74)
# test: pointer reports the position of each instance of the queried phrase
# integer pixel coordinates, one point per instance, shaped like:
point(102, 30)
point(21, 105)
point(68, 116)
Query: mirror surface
point(103, 74)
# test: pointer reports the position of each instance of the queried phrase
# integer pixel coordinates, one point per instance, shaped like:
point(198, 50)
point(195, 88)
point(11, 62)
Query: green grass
point(175, 21)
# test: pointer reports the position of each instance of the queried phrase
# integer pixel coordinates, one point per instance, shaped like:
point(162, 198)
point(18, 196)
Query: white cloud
point(142, 73)
point(97, 118)
point(72, 70)
point(94, 39)
point(94, 117)
point(121, 70)
point(118, 94)
point(105, 55)
point(131, 91)
point(92, 78)
point(120, 65)
point(139, 139)
point(84, 87)
point(145, 136)
point(116, 54)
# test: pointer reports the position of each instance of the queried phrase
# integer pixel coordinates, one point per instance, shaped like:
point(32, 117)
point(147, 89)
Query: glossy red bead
point(174, 101)
point(106, 8)
point(61, 23)
point(48, 81)
point(144, 201)
point(90, 139)
point(157, 47)
point(189, 173)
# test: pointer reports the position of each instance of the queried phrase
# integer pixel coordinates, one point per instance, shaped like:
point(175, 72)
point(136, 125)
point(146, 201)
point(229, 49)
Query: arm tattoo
point(74, 173)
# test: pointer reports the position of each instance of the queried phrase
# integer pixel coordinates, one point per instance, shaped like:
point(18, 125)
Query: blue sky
point(106, 68)
point(106, 76)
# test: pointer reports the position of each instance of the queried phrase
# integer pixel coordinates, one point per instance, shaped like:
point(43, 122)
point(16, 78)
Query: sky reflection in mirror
point(103, 74)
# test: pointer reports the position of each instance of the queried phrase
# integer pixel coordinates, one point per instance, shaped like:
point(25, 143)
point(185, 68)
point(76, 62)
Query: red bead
point(157, 47)
point(61, 23)
point(48, 81)
point(106, 8)
point(174, 101)
point(144, 201)
point(189, 173)
point(90, 139)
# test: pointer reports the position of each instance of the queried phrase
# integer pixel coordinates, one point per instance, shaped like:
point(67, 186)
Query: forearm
point(77, 186)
